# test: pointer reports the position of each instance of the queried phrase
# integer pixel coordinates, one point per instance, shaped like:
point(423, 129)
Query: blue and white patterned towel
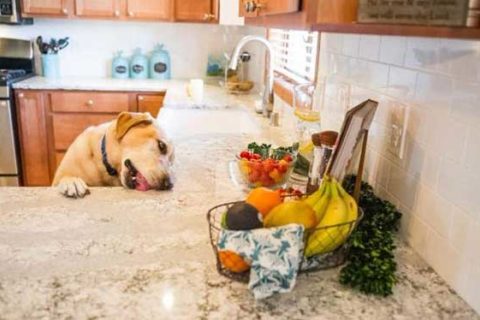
point(275, 255)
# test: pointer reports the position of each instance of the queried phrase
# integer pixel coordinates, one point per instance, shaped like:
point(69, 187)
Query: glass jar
point(307, 112)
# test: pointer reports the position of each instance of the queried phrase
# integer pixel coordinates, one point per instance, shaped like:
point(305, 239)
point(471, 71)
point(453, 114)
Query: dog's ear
point(128, 120)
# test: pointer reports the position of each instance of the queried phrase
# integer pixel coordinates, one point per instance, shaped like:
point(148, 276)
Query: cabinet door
point(97, 8)
point(150, 103)
point(196, 10)
point(254, 8)
point(45, 7)
point(33, 138)
point(149, 9)
point(335, 11)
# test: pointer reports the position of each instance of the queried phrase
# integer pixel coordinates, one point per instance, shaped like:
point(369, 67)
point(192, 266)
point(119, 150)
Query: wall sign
point(426, 12)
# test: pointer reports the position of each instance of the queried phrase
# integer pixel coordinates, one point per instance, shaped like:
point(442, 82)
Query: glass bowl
point(267, 172)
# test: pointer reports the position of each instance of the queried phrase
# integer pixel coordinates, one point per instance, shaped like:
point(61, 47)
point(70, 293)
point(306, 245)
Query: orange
point(232, 261)
point(264, 199)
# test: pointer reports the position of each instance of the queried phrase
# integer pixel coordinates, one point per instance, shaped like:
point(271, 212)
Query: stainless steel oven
point(9, 171)
point(16, 64)
point(10, 13)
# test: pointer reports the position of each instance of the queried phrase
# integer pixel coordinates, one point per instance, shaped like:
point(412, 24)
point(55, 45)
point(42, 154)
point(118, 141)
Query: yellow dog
point(132, 151)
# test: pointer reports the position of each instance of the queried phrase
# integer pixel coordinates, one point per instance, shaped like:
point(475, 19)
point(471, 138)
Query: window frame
point(284, 84)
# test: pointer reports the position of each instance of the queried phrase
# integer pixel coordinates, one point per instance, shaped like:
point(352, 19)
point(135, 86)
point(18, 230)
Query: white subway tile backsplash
point(434, 209)
point(403, 186)
point(473, 148)
point(437, 183)
point(433, 91)
point(422, 53)
point(351, 44)
point(393, 50)
point(461, 57)
point(465, 102)
point(369, 47)
point(401, 83)
point(460, 184)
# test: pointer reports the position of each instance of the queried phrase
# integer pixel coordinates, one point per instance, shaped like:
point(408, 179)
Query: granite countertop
point(123, 254)
point(176, 95)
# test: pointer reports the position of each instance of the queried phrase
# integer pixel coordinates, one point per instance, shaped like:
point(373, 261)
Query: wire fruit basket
point(225, 263)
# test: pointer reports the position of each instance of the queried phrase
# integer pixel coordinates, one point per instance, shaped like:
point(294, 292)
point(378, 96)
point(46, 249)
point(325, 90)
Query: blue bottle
point(160, 63)
point(138, 65)
point(120, 66)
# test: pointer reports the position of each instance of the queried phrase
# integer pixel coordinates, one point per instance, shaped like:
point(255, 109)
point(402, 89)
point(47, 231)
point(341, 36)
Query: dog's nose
point(165, 184)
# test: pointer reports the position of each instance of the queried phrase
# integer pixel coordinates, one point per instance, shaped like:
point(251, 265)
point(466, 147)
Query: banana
point(312, 199)
point(328, 239)
point(352, 206)
point(321, 206)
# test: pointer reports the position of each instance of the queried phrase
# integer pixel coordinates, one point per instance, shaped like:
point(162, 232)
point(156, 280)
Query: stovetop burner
point(6, 74)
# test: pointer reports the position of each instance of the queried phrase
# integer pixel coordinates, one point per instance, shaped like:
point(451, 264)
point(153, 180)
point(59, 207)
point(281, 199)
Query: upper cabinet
point(97, 8)
point(45, 7)
point(255, 8)
point(293, 14)
point(149, 9)
point(196, 10)
point(205, 11)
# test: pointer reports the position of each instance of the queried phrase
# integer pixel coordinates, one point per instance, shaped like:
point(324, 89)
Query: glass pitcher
point(307, 111)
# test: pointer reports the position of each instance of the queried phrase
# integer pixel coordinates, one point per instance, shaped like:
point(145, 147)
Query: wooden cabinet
point(97, 8)
point(333, 11)
point(45, 7)
point(150, 103)
point(49, 121)
point(33, 136)
point(148, 9)
point(255, 8)
point(196, 10)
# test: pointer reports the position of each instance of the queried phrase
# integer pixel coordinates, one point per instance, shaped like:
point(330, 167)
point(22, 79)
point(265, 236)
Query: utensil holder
point(50, 66)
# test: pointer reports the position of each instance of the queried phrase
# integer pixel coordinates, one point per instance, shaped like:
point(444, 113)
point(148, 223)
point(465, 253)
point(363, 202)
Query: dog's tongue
point(141, 183)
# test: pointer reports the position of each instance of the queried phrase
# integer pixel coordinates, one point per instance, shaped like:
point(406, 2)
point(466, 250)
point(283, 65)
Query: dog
point(131, 151)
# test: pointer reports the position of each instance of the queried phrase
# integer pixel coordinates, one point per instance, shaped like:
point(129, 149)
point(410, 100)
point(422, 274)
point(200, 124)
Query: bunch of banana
point(332, 206)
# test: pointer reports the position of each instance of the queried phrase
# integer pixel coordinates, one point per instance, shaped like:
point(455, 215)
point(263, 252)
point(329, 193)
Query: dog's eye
point(162, 146)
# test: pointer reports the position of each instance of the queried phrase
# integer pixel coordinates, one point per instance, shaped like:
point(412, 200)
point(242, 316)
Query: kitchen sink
point(185, 122)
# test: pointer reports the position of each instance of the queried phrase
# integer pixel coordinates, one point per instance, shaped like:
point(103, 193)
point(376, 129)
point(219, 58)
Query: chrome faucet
point(267, 100)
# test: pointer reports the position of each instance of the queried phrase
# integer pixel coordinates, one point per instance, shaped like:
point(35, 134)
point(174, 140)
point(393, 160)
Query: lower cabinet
point(49, 121)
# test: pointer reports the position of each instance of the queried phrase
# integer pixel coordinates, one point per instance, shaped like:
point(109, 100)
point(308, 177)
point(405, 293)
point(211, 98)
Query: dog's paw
point(72, 187)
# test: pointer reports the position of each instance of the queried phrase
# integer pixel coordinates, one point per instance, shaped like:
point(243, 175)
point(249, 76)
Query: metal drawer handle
point(65, 11)
point(141, 98)
point(117, 13)
point(130, 13)
point(21, 95)
point(90, 103)
point(208, 16)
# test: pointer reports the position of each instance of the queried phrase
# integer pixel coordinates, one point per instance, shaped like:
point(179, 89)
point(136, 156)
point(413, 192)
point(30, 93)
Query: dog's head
point(146, 153)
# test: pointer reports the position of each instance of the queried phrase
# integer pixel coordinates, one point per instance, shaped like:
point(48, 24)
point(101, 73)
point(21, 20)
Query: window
point(295, 53)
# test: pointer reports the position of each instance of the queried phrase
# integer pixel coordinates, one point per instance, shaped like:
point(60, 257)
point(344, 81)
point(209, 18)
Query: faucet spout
point(267, 100)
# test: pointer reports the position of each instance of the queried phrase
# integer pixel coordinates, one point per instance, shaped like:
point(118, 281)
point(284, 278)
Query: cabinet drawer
point(89, 102)
point(66, 127)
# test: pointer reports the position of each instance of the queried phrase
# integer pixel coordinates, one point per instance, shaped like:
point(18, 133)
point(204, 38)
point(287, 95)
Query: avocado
point(243, 216)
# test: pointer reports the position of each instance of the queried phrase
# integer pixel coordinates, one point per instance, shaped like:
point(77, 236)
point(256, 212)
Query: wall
point(93, 43)
point(437, 183)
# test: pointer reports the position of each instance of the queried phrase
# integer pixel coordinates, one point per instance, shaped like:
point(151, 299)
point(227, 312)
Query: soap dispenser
point(119, 66)
point(160, 63)
point(138, 65)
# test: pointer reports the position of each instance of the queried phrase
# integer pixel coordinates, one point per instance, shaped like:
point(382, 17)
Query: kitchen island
point(123, 254)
